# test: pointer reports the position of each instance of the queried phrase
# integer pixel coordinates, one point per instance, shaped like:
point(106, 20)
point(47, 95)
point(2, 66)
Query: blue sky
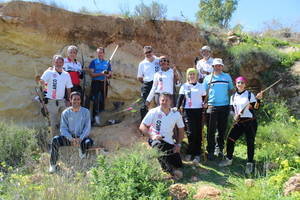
point(250, 13)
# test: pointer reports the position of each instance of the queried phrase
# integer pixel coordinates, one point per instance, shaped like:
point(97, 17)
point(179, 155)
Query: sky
point(252, 14)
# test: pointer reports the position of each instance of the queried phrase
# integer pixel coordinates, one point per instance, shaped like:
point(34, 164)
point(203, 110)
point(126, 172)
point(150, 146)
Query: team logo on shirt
point(159, 116)
point(54, 75)
point(156, 68)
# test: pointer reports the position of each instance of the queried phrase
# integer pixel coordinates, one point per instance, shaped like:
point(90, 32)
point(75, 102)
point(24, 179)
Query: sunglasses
point(164, 60)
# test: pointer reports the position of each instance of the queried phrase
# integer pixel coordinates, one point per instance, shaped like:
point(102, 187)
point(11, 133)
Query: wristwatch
point(178, 145)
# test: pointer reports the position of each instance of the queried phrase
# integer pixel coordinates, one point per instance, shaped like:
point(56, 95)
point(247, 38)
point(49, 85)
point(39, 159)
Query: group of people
point(64, 100)
point(203, 99)
point(207, 98)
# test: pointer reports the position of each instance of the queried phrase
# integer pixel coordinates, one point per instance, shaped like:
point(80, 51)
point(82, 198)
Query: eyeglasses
point(240, 82)
point(164, 60)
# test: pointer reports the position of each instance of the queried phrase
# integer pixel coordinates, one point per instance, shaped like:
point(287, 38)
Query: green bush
point(16, 143)
point(131, 174)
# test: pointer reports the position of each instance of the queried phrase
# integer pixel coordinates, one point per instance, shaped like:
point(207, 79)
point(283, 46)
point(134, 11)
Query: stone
point(178, 191)
point(207, 192)
point(292, 185)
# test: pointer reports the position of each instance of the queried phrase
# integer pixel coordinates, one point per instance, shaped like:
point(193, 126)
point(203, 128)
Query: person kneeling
point(158, 124)
point(75, 128)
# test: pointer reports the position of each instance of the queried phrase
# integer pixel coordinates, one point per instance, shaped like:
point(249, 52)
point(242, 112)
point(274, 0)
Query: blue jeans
point(59, 141)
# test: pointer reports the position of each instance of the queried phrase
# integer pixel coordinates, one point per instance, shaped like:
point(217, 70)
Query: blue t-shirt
point(99, 66)
point(219, 90)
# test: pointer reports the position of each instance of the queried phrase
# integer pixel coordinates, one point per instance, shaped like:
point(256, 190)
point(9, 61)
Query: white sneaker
point(52, 169)
point(188, 157)
point(225, 162)
point(249, 168)
point(97, 120)
point(81, 155)
point(196, 160)
point(218, 152)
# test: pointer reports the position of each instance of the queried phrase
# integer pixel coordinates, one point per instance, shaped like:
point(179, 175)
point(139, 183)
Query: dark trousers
point(59, 141)
point(169, 160)
point(248, 127)
point(97, 96)
point(193, 118)
point(145, 90)
point(217, 118)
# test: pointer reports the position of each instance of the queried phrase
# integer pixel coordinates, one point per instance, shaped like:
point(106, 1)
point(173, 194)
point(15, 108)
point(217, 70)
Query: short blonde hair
point(71, 48)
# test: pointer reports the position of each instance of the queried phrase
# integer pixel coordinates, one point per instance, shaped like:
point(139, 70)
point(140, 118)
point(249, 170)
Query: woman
point(191, 94)
point(163, 81)
point(243, 103)
point(73, 67)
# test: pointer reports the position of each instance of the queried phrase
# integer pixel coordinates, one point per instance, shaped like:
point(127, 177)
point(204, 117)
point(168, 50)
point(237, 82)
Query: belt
point(98, 80)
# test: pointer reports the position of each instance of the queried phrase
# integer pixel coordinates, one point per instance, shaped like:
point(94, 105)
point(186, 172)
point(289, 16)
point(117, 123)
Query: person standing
point(73, 67)
point(75, 128)
point(204, 65)
point(243, 104)
point(146, 70)
point(57, 82)
point(219, 85)
point(163, 81)
point(190, 97)
point(158, 124)
point(100, 71)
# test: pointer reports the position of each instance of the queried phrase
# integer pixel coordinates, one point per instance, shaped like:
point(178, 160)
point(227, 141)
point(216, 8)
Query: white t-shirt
point(56, 83)
point(163, 83)
point(147, 69)
point(204, 66)
point(193, 95)
point(72, 66)
point(162, 124)
point(239, 101)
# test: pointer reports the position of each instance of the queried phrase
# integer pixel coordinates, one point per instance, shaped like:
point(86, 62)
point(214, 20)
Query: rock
point(292, 185)
point(207, 192)
point(178, 174)
point(178, 191)
point(249, 182)
point(194, 179)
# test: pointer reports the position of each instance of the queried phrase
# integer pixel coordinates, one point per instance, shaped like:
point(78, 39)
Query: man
point(146, 70)
point(75, 128)
point(158, 124)
point(218, 86)
point(204, 66)
point(57, 81)
point(73, 67)
point(100, 71)
point(163, 81)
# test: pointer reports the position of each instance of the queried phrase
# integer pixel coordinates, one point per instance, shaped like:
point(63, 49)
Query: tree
point(154, 11)
point(216, 12)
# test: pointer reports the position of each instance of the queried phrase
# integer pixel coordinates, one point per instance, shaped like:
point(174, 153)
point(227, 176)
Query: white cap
point(205, 48)
point(218, 61)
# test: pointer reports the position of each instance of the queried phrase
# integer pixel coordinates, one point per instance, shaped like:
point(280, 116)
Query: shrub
point(131, 174)
point(154, 11)
point(16, 143)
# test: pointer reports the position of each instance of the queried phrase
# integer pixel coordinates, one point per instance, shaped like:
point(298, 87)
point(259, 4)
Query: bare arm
point(144, 129)
point(140, 79)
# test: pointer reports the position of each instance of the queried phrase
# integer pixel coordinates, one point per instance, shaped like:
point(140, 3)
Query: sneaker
point(81, 155)
point(196, 160)
point(218, 152)
point(249, 168)
point(225, 162)
point(52, 168)
point(97, 120)
point(188, 157)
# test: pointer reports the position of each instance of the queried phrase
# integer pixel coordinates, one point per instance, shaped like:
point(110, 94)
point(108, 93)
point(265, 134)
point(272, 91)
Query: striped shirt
point(218, 94)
